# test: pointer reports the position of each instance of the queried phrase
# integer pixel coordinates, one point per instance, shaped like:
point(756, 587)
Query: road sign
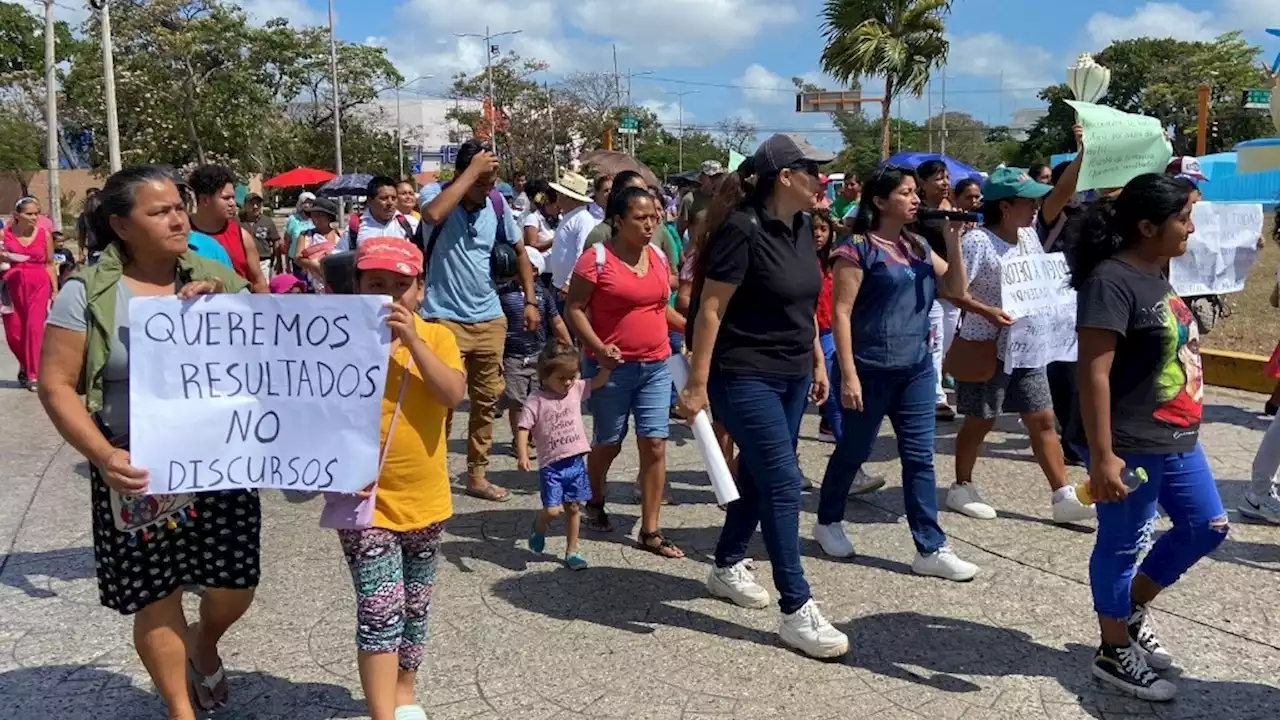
point(448, 154)
point(629, 125)
point(1256, 99)
point(826, 101)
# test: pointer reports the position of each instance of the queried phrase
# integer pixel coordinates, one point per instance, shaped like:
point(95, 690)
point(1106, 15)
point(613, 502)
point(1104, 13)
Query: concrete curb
point(1242, 371)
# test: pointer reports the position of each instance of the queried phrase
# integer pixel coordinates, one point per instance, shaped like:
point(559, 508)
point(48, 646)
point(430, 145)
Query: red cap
point(391, 254)
point(823, 180)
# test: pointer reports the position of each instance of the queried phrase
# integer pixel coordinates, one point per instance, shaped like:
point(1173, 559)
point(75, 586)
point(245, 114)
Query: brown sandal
point(664, 548)
point(490, 492)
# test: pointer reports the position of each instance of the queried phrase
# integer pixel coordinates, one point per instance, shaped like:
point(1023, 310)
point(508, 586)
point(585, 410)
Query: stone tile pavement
point(515, 636)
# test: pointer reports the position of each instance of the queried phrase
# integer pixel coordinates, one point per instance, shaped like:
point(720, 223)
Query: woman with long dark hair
point(1009, 212)
point(29, 282)
point(757, 363)
point(1141, 391)
point(935, 194)
point(886, 282)
point(143, 544)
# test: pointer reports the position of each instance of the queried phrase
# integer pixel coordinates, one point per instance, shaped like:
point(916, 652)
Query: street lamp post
point(52, 154)
point(680, 101)
point(337, 120)
point(630, 74)
point(399, 139)
point(489, 50)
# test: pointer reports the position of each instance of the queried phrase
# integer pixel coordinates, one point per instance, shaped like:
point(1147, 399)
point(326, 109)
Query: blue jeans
point(907, 396)
point(639, 388)
point(763, 416)
point(677, 346)
point(1183, 485)
point(830, 410)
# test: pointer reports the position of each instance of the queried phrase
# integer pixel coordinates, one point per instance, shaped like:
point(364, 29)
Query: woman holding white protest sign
point(886, 283)
point(147, 547)
point(1138, 422)
point(977, 359)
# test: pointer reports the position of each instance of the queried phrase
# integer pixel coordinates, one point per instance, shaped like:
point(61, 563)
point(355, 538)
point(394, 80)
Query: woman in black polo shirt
point(757, 358)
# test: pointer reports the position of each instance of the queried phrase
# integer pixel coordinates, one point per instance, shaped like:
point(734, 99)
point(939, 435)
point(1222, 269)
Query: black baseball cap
point(326, 206)
point(786, 150)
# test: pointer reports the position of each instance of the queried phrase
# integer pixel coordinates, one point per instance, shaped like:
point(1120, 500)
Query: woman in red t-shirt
point(617, 306)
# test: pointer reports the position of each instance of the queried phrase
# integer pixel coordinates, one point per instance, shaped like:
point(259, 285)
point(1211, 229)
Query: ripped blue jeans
point(1183, 485)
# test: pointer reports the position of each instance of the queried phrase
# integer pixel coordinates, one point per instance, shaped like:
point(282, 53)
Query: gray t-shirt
point(69, 312)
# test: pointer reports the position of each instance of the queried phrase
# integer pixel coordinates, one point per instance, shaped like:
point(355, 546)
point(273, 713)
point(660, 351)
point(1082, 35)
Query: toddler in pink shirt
point(553, 415)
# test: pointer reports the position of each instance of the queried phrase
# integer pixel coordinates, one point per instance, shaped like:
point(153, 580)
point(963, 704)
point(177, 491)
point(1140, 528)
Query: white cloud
point(991, 55)
point(1153, 19)
point(762, 85)
point(668, 112)
point(680, 32)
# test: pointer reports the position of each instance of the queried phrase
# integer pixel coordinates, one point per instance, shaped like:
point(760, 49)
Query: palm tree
point(898, 40)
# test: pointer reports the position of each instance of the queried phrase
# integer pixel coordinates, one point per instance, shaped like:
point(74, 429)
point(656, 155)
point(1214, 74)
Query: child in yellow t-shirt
point(393, 563)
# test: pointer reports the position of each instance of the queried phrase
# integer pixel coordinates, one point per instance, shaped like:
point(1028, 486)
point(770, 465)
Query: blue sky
point(739, 55)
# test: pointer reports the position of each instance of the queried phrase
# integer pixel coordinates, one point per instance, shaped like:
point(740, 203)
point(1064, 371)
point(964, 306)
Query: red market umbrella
point(300, 177)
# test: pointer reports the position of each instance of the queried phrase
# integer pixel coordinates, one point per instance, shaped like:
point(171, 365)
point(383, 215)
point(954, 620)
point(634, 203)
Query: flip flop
point(210, 684)
point(489, 492)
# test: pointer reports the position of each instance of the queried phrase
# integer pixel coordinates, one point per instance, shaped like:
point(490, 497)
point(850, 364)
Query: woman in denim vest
point(886, 281)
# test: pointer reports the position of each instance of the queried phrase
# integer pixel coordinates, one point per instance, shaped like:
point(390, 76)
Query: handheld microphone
point(949, 215)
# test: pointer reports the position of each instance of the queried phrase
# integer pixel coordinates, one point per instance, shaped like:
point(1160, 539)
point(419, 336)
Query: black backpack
point(503, 262)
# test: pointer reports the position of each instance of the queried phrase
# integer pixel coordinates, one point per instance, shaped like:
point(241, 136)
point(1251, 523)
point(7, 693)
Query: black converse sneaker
point(1125, 667)
point(1143, 634)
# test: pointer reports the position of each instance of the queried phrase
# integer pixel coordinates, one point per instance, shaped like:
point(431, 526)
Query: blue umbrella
point(913, 160)
point(346, 185)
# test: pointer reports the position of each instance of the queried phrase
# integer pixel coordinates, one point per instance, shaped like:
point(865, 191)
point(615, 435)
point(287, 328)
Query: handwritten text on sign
point(257, 391)
point(1220, 251)
point(1030, 283)
point(1120, 146)
point(1046, 337)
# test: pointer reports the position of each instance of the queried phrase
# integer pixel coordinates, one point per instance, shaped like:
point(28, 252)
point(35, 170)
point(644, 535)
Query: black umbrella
point(346, 185)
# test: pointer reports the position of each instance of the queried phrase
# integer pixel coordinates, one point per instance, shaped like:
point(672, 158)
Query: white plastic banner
point(1031, 283)
point(1220, 251)
point(247, 391)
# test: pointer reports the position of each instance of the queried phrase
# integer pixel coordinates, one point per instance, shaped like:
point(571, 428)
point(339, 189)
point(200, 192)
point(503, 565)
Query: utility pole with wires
point(399, 137)
point(551, 122)
point(109, 83)
point(52, 152)
point(944, 110)
point(680, 100)
point(489, 51)
point(337, 119)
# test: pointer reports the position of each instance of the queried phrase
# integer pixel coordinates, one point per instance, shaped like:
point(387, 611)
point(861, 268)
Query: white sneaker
point(964, 499)
point(737, 585)
point(864, 483)
point(833, 540)
point(1067, 508)
point(944, 564)
point(1265, 508)
point(810, 633)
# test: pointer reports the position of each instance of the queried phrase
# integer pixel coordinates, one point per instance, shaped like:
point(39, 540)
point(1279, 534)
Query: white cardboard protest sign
point(1031, 283)
point(1220, 251)
point(246, 391)
point(1048, 336)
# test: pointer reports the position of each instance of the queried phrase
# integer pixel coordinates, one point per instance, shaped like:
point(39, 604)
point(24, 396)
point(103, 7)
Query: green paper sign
point(1119, 146)
point(734, 161)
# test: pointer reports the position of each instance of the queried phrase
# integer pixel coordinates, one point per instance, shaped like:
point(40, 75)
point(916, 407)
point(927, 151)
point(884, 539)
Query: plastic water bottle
point(1132, 480)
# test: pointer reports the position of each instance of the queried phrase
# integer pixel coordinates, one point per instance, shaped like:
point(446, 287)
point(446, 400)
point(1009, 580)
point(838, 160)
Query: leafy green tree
point(1160, 77)
point(901, 41)
point(20, 150)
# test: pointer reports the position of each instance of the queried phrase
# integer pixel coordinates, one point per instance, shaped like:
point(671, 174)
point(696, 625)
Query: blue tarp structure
point(913, 160)
point(1226, 186)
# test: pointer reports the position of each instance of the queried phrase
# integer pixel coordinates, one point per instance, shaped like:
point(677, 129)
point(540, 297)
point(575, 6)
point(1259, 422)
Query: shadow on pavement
point(17, 569)
point(1232, 415)
point(949, 649)
point(626, 599)
point(71, 691)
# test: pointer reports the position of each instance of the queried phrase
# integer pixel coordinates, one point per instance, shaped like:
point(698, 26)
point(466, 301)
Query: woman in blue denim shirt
point(886, 281)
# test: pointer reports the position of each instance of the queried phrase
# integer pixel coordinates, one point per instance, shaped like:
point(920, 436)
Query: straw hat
point(573, 185)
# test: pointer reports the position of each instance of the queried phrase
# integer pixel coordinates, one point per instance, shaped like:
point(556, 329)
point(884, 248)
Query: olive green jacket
point(100, 280)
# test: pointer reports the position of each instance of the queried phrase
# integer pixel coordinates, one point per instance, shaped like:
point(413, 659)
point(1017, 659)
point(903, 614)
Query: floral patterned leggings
point(393, 573)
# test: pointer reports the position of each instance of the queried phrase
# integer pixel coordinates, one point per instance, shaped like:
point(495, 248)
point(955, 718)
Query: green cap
point(1007, 183)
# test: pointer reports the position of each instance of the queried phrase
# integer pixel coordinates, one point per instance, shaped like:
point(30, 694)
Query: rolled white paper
point(704, 437)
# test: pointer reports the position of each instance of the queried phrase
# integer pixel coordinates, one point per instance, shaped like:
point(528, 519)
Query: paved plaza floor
point(513, 635)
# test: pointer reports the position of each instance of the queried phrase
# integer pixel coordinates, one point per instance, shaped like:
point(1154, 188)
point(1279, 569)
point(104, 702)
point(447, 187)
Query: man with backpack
point(381, 217)
point(473, 246)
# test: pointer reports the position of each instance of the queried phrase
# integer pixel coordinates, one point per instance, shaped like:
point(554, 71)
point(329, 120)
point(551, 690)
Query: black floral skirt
point(146, 547)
